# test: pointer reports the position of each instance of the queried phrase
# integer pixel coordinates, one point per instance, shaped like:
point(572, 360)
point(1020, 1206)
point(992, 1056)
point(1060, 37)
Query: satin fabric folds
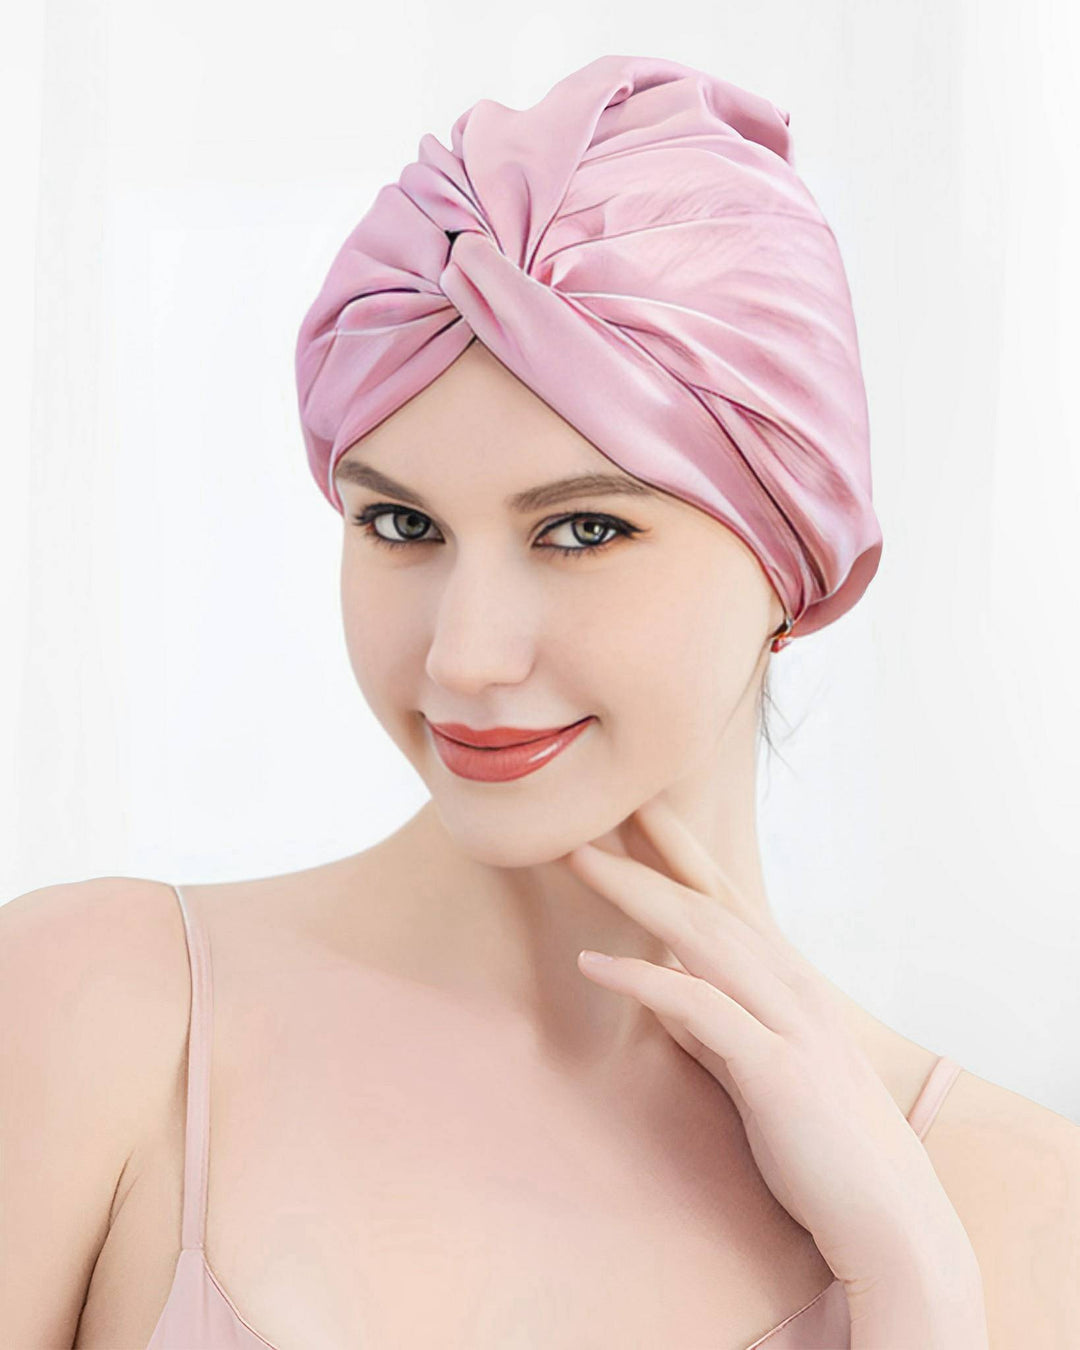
point(637, 249)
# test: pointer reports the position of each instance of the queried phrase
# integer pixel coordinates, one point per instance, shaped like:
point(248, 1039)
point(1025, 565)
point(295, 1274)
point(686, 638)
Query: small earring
point(781, 639)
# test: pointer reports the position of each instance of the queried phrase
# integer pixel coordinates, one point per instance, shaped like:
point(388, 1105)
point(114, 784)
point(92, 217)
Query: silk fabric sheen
point(637, 249)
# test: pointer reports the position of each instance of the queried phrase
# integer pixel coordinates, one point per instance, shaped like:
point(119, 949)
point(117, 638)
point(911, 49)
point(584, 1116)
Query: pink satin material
point(199, 1314)
point(638, 249)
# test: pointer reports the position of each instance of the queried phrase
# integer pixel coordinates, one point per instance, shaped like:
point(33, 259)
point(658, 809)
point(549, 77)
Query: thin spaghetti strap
point(940, 1079)
point(197, 1119)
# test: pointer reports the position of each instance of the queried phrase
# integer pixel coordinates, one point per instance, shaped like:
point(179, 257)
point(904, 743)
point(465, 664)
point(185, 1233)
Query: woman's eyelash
point(370, 514)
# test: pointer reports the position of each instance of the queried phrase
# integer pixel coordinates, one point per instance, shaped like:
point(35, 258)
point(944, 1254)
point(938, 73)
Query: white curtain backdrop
point(175, 697)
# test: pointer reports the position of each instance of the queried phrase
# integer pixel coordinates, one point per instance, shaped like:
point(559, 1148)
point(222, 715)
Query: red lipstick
point(500, 753)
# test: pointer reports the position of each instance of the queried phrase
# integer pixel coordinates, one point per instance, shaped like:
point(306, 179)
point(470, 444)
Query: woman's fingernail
point(591, 958)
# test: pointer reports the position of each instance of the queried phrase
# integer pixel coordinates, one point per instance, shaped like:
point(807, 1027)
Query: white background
point(175, 697)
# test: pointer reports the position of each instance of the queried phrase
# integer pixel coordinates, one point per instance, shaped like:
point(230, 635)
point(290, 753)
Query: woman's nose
point(485, 630)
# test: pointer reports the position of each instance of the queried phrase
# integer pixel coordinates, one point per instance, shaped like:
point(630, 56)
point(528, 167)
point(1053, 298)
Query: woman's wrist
point(927, 1295)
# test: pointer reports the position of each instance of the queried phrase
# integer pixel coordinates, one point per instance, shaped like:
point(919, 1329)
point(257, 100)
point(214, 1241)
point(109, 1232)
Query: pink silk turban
point(637, 249)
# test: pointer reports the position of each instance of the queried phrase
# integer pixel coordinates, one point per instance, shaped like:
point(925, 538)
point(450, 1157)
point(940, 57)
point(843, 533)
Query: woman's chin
point(527, 837)
point(507, 848)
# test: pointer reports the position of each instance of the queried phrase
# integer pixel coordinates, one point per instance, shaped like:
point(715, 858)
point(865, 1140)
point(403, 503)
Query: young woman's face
point(635, 610)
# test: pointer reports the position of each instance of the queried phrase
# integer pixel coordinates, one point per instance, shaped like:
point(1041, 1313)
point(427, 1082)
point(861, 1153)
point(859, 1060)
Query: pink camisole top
point(199, 1315)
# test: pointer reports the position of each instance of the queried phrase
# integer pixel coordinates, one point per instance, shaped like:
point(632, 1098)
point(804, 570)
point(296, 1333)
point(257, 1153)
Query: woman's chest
point(456, 1194)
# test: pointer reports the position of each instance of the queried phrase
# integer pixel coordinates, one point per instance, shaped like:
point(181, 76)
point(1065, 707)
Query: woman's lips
point(500, 765)
point(497, 738)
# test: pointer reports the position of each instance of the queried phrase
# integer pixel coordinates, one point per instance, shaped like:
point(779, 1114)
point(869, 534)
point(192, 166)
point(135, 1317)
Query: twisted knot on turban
point(638, 249)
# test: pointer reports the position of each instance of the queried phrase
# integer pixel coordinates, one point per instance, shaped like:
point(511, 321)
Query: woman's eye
point(593, 532)
point(413, 529)
point(589, 530)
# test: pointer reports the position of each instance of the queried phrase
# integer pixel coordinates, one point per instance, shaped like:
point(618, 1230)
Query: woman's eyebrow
point(532, 499)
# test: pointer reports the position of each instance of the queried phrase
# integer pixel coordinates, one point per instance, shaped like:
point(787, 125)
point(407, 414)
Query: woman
point(433, 1122)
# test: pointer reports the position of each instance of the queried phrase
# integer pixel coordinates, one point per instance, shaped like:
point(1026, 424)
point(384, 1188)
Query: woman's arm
point(929, 1295)
point(828, 1138)
point(71, 1046)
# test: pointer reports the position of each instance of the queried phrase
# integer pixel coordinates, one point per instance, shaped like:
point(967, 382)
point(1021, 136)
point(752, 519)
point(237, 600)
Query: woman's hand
point(831, 1143)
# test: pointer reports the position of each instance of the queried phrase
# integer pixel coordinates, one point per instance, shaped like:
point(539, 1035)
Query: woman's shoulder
point(980, 1123)
point(105, 940)
point(1002, 1150)
point(277, 909)
point(973, 1105)
point(1011, 1169)
point(95, 973)
point(1014, 1169)
point(980, 1107)
point(93, 1002)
